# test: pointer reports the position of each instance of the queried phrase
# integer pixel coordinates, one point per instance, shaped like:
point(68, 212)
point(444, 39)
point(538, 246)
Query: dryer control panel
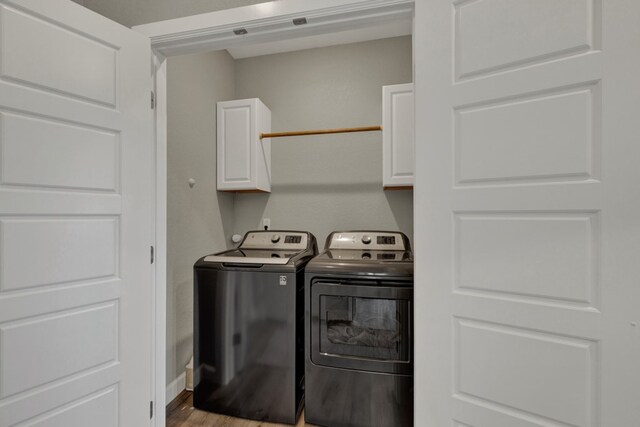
point(274, 239)
point(368, 240)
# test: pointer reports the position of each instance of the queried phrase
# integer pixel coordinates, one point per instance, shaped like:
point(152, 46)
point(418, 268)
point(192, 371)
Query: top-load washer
point(359, 329)
point(249, 327)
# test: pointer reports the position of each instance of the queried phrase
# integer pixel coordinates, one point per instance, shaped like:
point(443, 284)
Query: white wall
point(198, 218)
point(324, 183)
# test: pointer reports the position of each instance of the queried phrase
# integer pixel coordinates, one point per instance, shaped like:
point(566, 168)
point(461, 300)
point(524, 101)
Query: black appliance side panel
point(300, 331)
point(244, 345)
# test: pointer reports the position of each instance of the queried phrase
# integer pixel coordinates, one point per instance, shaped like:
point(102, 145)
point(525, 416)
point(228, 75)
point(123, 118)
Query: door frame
point(159, 305)
point(265, 22)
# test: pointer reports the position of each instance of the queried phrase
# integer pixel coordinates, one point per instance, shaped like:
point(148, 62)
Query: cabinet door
point(236, 126)
point(398, 135)
point(244, 160)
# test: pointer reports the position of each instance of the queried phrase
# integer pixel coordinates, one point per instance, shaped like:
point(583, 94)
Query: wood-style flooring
point(181, 413)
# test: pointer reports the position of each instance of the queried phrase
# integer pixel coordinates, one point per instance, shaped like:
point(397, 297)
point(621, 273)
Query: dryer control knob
point(275, 238)
point(366, 239)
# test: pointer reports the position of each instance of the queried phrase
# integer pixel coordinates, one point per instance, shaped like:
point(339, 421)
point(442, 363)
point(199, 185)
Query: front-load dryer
point(359, 331)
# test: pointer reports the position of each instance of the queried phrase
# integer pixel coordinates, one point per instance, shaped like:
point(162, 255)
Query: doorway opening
point(201, 72)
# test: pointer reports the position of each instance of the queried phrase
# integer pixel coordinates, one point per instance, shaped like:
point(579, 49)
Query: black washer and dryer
point(249, 327)
point(359, 331)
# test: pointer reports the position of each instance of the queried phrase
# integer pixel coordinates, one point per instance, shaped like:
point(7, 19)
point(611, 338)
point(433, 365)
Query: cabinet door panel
point(234, 144)
point(398, 135)
point(244, 160)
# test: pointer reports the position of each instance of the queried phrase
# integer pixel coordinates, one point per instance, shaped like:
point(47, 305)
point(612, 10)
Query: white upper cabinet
point(244, 160)
point(397, 136)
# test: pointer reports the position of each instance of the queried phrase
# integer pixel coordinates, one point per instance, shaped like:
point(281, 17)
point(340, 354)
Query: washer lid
point(253, 256)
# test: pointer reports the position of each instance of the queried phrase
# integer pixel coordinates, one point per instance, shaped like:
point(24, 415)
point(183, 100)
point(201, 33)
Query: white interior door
point(76, 223)
point(527, 213)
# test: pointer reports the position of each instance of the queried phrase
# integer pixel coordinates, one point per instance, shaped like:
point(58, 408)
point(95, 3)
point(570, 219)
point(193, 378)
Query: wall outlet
point(266, 223)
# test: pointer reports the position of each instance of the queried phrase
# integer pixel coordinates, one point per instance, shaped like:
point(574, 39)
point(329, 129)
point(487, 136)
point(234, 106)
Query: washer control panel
point(270, 239)
point(367, 240)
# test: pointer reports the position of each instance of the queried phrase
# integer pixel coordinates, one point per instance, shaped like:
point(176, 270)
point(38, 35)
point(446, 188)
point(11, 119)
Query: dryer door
point(362, 327)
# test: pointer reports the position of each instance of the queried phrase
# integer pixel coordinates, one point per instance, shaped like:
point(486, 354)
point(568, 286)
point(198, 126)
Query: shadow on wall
point(226, 205)
point(183, 335)
point(330, 188)
point(398, 200)
point(251, 216)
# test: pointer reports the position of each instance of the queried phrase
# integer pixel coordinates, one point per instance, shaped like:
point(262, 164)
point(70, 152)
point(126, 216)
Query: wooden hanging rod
point(320, 132)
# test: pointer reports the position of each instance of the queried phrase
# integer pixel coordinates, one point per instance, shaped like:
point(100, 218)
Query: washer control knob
point(275, 238)
point(366, 239)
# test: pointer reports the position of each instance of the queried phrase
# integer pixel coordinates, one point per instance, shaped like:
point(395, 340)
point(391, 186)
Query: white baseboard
point(175, 387)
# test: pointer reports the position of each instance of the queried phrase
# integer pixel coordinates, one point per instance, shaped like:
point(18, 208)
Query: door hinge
point(152, 254)
point(151, 409)
point(153, 100)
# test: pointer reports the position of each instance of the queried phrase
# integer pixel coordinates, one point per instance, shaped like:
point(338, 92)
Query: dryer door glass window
point(370, 328)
